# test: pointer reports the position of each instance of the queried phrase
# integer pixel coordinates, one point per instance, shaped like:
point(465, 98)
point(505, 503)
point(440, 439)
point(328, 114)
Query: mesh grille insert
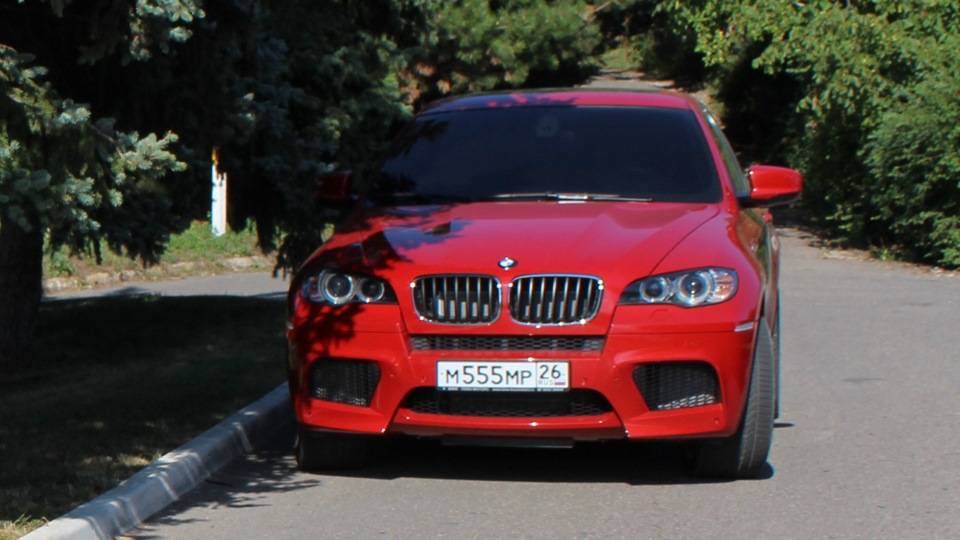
point(351, 382)
point(677, 385)
point(508, 343)
point(507, 404)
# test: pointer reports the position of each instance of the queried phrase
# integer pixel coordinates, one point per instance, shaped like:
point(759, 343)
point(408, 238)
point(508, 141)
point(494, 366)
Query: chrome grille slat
point(573, 305)
point(543, 301)
point(555, 299)
point(457, 299)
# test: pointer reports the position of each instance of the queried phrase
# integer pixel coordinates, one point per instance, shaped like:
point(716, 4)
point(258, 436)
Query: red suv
point(546, 267)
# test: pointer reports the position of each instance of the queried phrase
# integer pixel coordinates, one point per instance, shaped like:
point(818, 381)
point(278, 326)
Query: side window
point(741, 186)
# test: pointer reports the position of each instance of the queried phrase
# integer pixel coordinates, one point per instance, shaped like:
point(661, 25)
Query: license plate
point(537, 376)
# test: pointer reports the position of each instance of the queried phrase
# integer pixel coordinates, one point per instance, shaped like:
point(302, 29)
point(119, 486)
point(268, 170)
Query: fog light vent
point(677, 385)
point(351, 382)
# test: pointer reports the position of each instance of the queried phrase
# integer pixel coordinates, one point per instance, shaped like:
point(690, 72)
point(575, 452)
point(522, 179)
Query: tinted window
point(652, 153)
point(740, 184)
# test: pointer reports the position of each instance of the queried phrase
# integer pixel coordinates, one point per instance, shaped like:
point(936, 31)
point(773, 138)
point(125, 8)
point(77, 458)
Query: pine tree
point(64, 170)
point(109, 111)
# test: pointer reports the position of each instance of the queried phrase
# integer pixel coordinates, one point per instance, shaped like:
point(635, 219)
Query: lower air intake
point(351, 382)
point(507, 404)
point(677, 385)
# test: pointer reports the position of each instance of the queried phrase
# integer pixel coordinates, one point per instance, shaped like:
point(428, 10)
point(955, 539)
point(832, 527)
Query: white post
point(218, 198)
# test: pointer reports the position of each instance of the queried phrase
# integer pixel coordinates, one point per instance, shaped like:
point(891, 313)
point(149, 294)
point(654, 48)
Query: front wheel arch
point(744, 454)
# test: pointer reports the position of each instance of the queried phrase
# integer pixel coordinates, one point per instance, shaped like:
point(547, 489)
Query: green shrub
point(914, 162)
point(861, 97)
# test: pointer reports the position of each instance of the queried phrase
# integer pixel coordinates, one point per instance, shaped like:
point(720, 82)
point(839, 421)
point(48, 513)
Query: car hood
point(589, 238)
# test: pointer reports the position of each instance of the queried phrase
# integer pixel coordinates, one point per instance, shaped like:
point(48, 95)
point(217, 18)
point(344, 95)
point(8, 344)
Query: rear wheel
point(744, 454)
point(319, 451)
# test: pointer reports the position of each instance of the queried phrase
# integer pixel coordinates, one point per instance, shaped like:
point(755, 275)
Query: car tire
point(323, 451)
point(744, 454)
point(775, 336)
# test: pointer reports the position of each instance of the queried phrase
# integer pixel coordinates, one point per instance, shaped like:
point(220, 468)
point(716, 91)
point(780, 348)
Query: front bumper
point(403, 371)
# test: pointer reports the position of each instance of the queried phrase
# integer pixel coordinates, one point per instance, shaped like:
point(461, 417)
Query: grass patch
point(19, 527)
point(198, 243)
point(118, 382)
point(194, 251)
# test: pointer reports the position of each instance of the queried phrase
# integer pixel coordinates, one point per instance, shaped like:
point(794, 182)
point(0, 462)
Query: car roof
point(598, 97)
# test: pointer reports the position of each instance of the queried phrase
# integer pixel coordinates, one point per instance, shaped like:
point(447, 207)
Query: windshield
point(562, 153)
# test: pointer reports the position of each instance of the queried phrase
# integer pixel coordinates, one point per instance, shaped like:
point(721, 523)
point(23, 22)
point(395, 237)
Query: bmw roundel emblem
point(507, 263)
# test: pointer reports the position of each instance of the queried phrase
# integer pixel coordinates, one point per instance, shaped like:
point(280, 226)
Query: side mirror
point(772, 186)
point(334, 188)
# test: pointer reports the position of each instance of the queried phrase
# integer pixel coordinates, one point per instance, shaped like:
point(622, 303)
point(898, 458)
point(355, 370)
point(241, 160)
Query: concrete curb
point(171, 476)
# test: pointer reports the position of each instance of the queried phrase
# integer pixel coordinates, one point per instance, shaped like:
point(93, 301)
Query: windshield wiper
point(568, 197)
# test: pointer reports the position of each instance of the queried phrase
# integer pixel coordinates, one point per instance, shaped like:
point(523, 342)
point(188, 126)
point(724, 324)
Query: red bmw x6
point(550, 266)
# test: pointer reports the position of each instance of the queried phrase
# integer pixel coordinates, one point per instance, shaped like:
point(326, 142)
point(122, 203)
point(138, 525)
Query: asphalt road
point(256, 284)
point(867, 446)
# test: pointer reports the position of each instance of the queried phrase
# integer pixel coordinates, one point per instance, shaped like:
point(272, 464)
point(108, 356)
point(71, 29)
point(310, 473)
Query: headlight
point(337, 288)
point(703, 286)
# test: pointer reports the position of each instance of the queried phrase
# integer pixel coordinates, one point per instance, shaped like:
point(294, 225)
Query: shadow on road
point(627, 462)
point(248, 482)
point(245, 483)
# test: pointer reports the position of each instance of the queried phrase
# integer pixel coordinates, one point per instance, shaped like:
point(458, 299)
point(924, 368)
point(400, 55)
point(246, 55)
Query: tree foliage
point(63, 169)
point(332, 80)
point(66, 172)
point(473, 46)
point(110, 110)
point(859, 95)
